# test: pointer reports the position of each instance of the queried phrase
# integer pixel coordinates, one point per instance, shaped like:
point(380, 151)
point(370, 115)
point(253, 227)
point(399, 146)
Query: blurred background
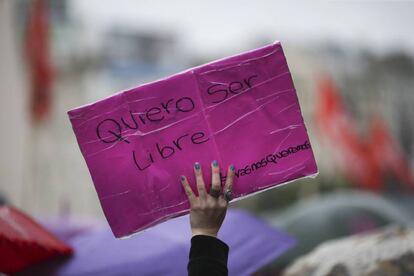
point(352, 63)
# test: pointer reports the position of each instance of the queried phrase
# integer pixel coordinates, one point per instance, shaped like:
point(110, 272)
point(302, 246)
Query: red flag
point(337, 125)
point(366, 162)
point(388, 153)
point(39, 65)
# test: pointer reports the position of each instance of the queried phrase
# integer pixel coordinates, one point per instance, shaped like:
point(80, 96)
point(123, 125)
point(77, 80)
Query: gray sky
point(212, 25)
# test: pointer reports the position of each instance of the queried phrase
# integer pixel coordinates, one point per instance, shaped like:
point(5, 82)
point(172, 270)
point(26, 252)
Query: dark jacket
point(208, 256)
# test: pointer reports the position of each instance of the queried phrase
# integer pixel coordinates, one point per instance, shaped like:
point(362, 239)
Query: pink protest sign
point(241, 110)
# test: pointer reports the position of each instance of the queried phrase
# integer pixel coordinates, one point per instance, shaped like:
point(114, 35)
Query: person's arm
point(208, 255)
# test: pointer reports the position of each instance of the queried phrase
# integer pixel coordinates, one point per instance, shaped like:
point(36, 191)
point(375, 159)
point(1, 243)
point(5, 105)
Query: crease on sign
point(171, 206)
point(104, 149)
point(114, 195)
point(276, 93)
point(164, 188)
point(247, 90)
point(284, 128)
point(216, 82)
point(140, 100)
point(101, 115)
point(301, 165)
point(140, 133)
point(245, 115)
point(240, 63)
point(119, 94)
point(137, 113)
point(292, 173)
point(96, 140)
point(281, 142)
point(287, 107)
point(283, 171)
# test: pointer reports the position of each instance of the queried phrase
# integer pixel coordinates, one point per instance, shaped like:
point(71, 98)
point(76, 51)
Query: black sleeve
point(208, 256)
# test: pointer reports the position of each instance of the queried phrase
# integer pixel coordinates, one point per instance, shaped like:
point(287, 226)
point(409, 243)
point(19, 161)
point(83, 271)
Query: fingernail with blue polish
point(232, 167)
point(215, 163)
point(197, 166)
point(182, 178)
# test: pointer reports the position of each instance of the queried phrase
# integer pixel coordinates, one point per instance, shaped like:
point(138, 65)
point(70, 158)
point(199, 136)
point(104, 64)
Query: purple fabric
point(241, 110)
point(164, 249)
point(67, 228)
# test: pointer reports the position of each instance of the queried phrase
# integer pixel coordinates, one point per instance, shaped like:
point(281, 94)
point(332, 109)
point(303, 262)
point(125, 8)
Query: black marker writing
point(167, 151)
point(272, 158)
point(111, 127)
point(222, 91)
point(110, 130)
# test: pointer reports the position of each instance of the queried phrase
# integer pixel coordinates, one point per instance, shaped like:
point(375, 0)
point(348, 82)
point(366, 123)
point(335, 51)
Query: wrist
point(204, 232)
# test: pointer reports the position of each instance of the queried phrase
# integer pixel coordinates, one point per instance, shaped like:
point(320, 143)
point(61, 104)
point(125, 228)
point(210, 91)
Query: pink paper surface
point(241, 110)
